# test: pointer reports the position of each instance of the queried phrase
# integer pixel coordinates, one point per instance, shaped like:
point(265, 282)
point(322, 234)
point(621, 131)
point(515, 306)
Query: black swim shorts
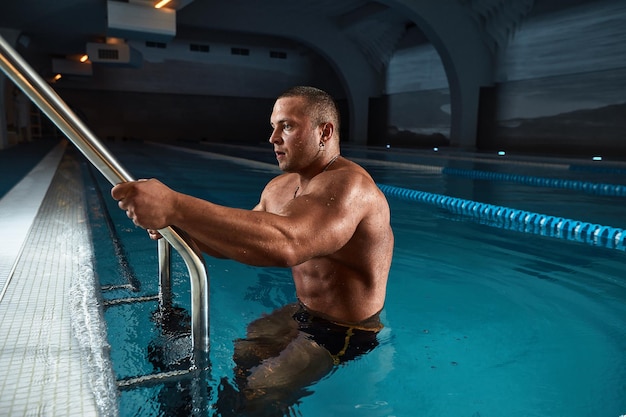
point(344, 342)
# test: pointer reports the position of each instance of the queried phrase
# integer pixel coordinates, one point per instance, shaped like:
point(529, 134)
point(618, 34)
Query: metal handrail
point(44, 97)
point(164, 251)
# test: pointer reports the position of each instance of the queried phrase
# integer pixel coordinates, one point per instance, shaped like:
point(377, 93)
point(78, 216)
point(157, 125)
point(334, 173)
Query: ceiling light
point(161, 4)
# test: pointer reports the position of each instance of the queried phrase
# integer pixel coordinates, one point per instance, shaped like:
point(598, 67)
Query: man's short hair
point(320, 104)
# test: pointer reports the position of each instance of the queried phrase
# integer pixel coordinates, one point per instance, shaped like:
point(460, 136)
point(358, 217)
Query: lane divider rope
point(518, 220)
point(585, 186)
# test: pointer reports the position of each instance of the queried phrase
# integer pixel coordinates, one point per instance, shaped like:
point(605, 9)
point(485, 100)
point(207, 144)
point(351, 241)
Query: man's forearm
point(250, 237)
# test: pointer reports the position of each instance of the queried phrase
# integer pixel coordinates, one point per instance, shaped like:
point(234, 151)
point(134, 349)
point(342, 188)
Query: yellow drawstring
point(337, 357)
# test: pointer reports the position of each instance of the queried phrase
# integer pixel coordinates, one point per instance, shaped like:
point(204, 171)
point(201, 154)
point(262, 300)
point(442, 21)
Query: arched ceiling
point(356, 37)
point(62, 27)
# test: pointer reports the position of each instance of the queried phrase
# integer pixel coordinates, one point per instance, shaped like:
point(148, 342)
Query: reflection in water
point(286, 352)
point(283, 355)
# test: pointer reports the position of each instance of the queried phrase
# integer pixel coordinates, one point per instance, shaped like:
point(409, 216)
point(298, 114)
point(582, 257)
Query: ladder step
point(116, 287)
point(130, 300)
point(153, 379)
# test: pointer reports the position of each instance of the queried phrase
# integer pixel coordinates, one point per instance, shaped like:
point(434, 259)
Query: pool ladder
point(164, 298)
point(46, 99)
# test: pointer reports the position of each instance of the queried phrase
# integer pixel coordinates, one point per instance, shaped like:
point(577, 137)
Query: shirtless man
point(324, 217)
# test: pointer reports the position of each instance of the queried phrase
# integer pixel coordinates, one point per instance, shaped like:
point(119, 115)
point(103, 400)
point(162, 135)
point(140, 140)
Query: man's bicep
point(327, 221)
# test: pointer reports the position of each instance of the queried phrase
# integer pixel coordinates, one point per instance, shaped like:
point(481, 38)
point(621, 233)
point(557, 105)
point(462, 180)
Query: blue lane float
point(517, 220)
point(607, 170)
point(615, 190)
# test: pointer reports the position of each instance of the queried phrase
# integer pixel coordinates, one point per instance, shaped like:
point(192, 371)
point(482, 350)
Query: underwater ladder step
point(153, 379)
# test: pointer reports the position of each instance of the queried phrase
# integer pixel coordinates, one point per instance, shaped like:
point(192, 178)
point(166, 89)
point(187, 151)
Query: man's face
point(295, 140)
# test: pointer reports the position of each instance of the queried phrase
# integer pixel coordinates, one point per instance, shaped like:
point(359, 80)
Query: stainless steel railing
point(44, 97)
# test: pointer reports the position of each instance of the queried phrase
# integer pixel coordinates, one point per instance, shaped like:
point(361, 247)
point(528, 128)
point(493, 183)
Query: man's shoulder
point(355, 174)
point(349, 180)
point(279, 182)
point(281, 179)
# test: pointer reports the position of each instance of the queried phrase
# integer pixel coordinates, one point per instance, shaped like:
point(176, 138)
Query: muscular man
point(324, 217)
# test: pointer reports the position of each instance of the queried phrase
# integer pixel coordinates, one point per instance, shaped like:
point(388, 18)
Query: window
point(152, 44)
point(198, 48)
point(240, 51)
point(278, 55)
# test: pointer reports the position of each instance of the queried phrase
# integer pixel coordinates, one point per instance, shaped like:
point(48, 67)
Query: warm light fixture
point(161, 4)
point(84, 58)
point(57, 77)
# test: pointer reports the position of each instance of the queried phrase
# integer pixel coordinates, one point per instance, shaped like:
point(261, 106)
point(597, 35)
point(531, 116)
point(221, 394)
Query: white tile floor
point(18, 209)
point(42, 369)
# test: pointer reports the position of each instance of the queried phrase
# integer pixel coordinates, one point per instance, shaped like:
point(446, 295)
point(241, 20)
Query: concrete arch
point(359, 79)
point(466, 58)
point(450, 28)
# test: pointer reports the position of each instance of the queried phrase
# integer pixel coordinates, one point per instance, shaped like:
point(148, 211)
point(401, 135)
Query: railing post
point(164, 252)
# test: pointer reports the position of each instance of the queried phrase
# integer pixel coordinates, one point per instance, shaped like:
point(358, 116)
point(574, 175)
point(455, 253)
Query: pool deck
point(42, 369)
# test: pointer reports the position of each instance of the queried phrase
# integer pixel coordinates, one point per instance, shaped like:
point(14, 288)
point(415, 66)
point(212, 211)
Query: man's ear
point(327, 131)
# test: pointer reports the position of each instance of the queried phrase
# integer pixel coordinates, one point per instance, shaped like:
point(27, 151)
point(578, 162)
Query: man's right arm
point(254, 237)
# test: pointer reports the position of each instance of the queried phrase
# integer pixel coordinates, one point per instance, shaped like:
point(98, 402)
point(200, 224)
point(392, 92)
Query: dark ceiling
point(63, 27)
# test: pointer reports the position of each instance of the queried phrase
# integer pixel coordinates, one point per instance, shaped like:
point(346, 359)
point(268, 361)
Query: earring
point(322, 144)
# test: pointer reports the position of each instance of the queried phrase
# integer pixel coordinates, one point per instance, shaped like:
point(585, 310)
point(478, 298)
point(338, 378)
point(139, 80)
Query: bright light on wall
point(84, 58)
point(57, 77)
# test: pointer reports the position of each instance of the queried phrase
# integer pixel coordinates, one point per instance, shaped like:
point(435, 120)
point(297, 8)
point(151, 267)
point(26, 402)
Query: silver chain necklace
point(295, 193)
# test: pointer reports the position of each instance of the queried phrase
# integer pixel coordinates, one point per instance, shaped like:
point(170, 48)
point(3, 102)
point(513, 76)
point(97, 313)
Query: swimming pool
point(481, 319)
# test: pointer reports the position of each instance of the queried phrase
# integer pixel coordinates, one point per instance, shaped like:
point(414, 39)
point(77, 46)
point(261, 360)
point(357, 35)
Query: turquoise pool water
point(18, 160)
point(480, 320)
